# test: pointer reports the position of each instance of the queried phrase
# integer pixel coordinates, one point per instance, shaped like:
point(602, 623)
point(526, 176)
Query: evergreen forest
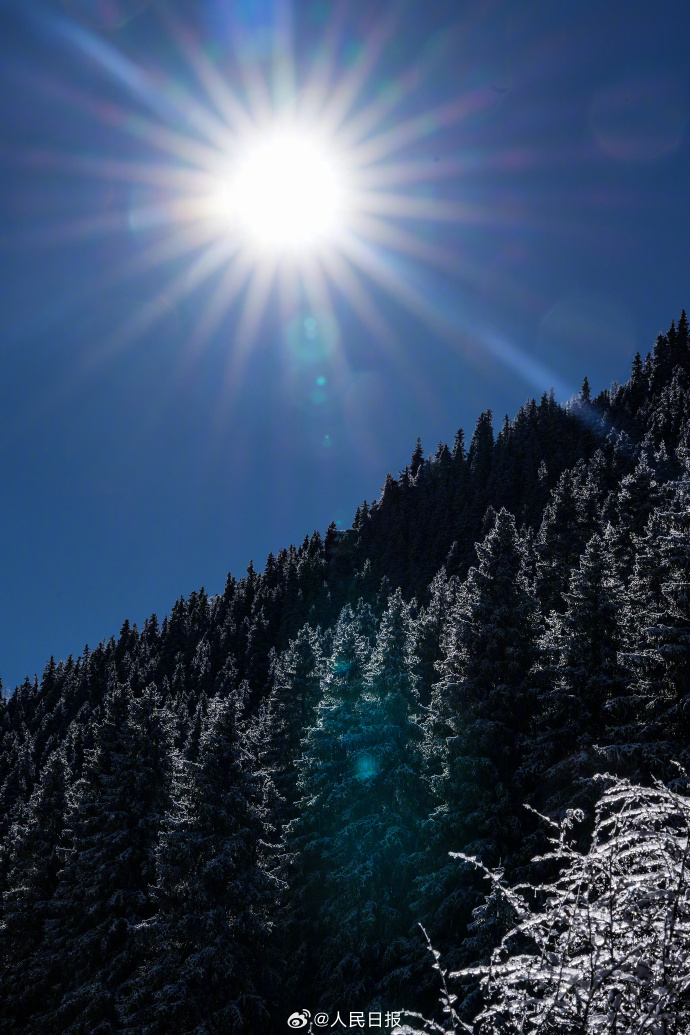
point(262, 810)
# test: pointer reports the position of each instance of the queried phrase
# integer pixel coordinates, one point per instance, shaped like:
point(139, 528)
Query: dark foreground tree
point(34, 864)
point(206, 956)
point(103, 889)
point(480, 719)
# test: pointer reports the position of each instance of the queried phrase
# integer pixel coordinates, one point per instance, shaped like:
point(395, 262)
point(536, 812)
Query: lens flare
point(308, 183)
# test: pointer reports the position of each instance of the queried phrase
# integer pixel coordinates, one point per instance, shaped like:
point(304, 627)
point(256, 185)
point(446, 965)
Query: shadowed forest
point(247, 809)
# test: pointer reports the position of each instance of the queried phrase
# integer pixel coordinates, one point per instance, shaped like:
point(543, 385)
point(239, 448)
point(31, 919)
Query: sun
point(305, 186)
point(285, 192)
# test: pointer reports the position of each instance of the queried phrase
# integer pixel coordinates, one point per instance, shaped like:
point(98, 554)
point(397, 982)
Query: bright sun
point(286, 193)
point(296, 181)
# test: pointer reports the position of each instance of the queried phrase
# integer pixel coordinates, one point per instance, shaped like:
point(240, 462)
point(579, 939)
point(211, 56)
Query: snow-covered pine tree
point(583, 681)
point(565, 529)
point(481, 720)
point(108, 847)
point(323, 777)
point(362, 801)
point(34, 864)
point(373, 851)
point(205, 957)
point(295, 691)
point(657, 647)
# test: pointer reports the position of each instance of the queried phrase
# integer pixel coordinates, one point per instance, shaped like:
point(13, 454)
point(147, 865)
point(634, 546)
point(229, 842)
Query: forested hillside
point(245, 810)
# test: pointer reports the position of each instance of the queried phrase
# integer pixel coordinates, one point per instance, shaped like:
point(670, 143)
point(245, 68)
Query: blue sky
point(535, 230)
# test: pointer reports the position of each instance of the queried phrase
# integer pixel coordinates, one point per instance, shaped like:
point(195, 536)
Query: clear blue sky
point(536, 157)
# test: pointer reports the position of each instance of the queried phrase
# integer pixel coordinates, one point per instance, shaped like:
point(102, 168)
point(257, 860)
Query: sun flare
point(285, 193)
point(304, 185)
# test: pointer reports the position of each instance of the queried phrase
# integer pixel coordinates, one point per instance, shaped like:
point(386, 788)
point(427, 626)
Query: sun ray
point(357, 128)
point(405, 206)
point(155, 127)
point(127, 334)
point(172, 142)
point(346, 92)
point(260, 280)
point(235, 276)
point(379, 231)
point(417, 128)
point(412, 171)
point(232, 113)
point(315, 284)
point(178, 210)
point(345, 274)
point(256, 88)
point(188, 190)
point(107, 223)
point(289, 289)
point(284, 77)
point(350, 285)
point(361, 254)
point(319, 81)
point(253, 308)
point(147, 315)
point(110, 58)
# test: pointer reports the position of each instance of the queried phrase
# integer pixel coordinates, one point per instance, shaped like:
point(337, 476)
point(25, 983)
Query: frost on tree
point(605, 947)
point(609, 945)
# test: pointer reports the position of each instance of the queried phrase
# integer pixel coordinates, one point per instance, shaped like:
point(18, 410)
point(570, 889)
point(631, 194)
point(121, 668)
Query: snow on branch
point(605, 947)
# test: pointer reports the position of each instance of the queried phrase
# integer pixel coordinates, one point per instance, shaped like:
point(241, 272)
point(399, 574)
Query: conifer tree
point(427, 632)
point(417, 459)
point(635, 499)
point(565, 528)
point(659, 656)
point(324, 770)
point(296, 679)
point(586, 680)
point(484, 700)
point(363, 798)
point(34, 863)
point(111, 823)
point(206, 952)
point(479, 460)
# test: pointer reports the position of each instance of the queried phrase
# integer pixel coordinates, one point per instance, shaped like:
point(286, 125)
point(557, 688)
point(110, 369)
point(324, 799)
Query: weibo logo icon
point(298, 1019)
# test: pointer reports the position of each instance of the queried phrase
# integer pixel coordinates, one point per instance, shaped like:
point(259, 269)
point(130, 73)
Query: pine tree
point(586, 681)
point(428, 627)
point(659, 655)
point(34, 864)
point(635, 499)
point(479, 460)
point(417, 460)
point(292, 703)
point(111, 822)
point(362, 799)
point(206, 952)
point(569, 521)
point(322, 769)
point(484, 700)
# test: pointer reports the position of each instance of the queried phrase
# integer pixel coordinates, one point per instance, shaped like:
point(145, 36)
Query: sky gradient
point(160, 426)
